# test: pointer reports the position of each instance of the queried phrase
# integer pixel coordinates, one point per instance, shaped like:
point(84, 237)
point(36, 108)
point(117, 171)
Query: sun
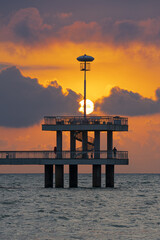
point(89, 106)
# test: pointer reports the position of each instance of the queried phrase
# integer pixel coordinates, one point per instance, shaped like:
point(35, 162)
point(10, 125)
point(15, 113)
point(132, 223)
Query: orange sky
point(135, 68)
point(131, 64)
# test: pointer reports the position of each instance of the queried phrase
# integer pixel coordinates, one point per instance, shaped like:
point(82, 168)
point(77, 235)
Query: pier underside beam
point(96, 174)
point(48, 179)
point(73, 169)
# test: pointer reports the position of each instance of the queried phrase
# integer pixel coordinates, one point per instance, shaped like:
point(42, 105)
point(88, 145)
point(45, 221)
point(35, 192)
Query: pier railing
point(63, 155)
point(76, 120)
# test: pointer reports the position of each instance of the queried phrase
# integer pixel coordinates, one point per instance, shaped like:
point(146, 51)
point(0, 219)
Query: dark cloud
point(80, 32)
point(23, 102)
point(123, 102)
point(4, 65)
point(126, 31)
point(30, 27)
point(92, 10)
point(26, 25)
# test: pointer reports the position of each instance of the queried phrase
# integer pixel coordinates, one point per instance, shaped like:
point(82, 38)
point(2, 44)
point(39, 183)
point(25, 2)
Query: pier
point(89, 153)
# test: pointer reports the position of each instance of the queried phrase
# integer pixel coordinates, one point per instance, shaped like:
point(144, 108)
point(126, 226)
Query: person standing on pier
point(114, 152)
point(55, 150)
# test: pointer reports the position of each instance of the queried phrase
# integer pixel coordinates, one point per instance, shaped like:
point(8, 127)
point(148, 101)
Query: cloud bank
point(29, 27)
point(24, 102)
point(128, 103)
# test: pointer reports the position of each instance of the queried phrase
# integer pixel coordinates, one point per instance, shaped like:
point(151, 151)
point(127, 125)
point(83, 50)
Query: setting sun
point(89, 106)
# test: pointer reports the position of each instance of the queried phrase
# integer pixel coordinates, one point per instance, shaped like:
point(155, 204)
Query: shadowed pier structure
point(89, 154)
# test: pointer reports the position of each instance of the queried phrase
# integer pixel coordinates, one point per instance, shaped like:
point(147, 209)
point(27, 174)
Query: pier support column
point(109, 168)
point(109, 175)
point(48, 179)
point(73, 169)
point(96, 176)
point(59, 169)
point(59, 176)
point(84, 143)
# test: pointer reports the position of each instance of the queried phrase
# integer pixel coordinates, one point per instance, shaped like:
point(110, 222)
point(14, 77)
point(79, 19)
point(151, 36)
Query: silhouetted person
point(55, 150)
point(114, 152)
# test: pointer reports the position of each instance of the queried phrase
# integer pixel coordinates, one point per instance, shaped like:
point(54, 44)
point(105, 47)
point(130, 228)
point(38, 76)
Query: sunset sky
point(39, 74)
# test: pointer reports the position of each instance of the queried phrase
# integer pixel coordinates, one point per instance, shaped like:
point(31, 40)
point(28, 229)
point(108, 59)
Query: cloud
point(29, 27)
point(128, 103)
point(80, 32)
point(64, 15)
point(24, 102)
point(26, 25)
point(128, 31)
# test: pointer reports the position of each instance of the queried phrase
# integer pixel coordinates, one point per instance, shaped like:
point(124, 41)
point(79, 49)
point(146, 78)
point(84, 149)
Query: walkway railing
point(62, 155)
point(75, 120)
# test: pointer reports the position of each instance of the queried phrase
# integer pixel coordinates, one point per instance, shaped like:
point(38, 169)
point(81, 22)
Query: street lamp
point(85, 66)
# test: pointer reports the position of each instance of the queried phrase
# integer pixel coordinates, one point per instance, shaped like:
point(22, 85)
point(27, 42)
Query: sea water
point(129, 211)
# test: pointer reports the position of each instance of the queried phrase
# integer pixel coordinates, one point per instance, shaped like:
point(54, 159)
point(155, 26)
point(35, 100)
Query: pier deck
point(91, 123)
point(50, 158)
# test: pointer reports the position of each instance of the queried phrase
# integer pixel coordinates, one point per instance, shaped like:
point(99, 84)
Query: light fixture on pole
point(85, 66)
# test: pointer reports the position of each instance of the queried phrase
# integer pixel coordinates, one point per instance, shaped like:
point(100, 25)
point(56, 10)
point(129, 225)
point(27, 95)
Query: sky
point(39, 74)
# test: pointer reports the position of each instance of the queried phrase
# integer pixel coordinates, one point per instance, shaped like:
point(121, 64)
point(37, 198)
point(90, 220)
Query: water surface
point(129, 211)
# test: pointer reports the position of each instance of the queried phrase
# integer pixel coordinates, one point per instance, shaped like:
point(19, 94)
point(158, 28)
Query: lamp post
point(85, 66)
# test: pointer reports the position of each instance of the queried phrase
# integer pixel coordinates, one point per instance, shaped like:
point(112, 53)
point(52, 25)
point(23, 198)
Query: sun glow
point(89, 106)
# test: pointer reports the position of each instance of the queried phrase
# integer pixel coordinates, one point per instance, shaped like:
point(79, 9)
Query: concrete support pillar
point(48, 179)
point(59, 176)
point(109, 168)
point(84, 143)
point(73, 176)
point(96, 176)
point(109, 175)
point(59, 169)
point(73, 169)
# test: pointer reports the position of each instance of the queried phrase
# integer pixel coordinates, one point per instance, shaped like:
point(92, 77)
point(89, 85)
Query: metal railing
point(75, 120)
point(63, 155)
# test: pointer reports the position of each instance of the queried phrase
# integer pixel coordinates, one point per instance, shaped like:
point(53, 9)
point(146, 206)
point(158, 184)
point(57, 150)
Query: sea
point(131, 210)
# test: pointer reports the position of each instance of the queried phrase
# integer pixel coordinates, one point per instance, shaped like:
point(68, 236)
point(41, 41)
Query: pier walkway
point(64, 157)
